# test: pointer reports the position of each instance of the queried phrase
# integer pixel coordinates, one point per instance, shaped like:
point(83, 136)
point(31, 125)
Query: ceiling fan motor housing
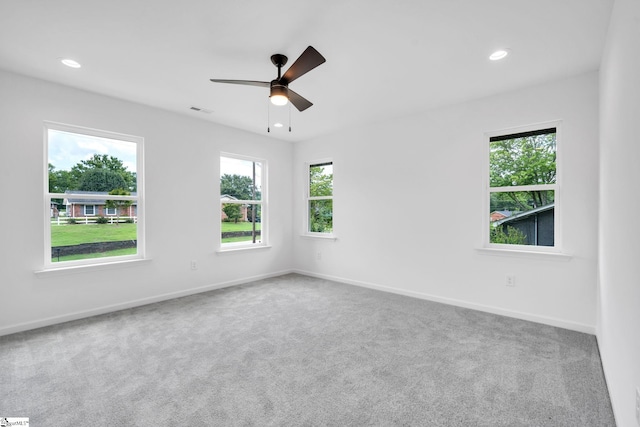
point(278, 89)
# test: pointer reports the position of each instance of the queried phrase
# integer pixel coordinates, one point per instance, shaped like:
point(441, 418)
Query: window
point(320, 198)
point(242, 202)
point(90, 172)
point(523, 188)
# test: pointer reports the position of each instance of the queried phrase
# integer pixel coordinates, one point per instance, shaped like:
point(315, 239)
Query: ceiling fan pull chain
point(289, 117)
point(268, 117)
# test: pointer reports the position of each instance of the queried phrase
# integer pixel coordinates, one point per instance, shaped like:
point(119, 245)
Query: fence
point(63, 220)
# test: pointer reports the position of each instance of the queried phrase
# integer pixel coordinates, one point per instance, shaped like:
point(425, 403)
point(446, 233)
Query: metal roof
point(526, 214)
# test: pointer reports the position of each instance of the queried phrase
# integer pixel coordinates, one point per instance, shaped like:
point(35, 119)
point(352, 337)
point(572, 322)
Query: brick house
point(78, 207)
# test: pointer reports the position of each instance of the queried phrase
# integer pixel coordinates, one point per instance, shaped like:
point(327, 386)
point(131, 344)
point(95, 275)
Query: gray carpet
point(300, 351)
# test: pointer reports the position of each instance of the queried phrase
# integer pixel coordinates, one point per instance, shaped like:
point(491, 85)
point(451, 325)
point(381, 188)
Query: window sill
point(241, 249)
point(319, 236)
point(554, 256)
point(115, 265)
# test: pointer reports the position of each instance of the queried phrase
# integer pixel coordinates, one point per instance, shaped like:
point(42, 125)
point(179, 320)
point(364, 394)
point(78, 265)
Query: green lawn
point(65, 235)
point(240, 226)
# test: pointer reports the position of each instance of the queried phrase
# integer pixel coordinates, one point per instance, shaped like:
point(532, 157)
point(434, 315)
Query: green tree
point(528, 160)
point(232, 211)
point(103, 162)
point(320, 183)
point(62, 180)
point(100, 180)
point(58, 181)
point(118, 204)
point(511, 236)
point(321, 216)
point(239, 186)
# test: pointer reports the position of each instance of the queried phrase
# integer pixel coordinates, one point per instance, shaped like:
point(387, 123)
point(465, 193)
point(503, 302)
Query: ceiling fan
point(280, 93)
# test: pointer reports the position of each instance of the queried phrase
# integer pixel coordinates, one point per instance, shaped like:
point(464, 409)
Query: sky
point(68, 149)
point(232, 166)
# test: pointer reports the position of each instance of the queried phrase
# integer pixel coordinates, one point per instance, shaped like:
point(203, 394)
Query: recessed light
point(499, 54)
point(278, 125)
point(70, 63)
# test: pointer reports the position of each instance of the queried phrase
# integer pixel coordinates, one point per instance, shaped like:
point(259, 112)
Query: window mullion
point(516, 188)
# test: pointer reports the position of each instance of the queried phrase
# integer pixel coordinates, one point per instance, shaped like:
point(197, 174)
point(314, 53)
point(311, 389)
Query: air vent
point(202, 110)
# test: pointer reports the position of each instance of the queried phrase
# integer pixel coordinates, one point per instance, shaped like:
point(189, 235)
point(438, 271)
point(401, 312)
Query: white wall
point(408, 207)
point(182, 205)
point(619, 254)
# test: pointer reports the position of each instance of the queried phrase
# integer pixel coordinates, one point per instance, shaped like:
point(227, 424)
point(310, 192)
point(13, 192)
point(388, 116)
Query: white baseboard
point(551, 321)
point(21, 327)
point(560, 323)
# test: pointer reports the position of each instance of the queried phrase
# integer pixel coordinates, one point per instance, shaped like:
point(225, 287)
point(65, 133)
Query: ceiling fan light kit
point(279, 94)
point(279, 91)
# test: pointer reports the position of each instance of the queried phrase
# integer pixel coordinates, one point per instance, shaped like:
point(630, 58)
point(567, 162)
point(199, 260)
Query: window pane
point(321, 180)
point(240, 179)
point(79, 237)
point(241, 223)
point(321, 216)
point(90, 163)
point(240, 195)
point(81, 165)
point(523, 160)
point(522, 218)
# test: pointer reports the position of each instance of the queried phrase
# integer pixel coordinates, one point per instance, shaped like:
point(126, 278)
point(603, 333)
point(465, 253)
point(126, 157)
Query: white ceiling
point(385, 58)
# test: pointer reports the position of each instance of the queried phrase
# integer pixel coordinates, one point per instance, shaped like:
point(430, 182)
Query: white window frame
point(263, 203)
point(556, 187)
point(138, 198)
point(84, 210)
point(110, 211)
point(307, 199)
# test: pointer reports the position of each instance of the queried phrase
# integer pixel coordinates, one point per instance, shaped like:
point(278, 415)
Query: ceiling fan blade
point(298, 101)
point(242, 82)
point(309, 60)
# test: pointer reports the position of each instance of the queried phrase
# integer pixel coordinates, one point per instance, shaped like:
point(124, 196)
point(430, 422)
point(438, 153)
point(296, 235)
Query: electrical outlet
point(194, 264)
point(638, 405)
point(319, 255)
point(511, 281)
